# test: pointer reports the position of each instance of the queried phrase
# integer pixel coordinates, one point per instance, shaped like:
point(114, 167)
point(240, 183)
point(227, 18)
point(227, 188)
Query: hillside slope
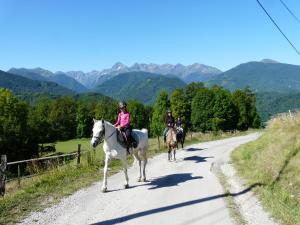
point(22, 86)
point(261, 77)
point(271, 103)
point(45, 75)
point(141, 86)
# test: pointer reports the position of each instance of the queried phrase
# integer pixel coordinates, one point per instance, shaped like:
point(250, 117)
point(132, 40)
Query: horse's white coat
point(112, 149)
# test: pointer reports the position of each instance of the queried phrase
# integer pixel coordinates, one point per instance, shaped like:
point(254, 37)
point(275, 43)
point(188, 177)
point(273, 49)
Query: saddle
point(123, 140)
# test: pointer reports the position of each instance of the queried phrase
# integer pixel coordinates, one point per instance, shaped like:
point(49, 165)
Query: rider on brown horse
point(170, 122)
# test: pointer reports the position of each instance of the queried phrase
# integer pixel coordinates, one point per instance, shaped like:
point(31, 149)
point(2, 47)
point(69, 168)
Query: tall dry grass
point(274, 162)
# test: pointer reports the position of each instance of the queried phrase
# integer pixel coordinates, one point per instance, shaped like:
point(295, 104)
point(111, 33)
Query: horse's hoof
point(144, 179)
point(139, 179)
point(126, 186)
point(104, 189)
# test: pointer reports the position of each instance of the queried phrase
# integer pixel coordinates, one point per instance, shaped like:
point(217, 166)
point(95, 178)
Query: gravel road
point(179, 193)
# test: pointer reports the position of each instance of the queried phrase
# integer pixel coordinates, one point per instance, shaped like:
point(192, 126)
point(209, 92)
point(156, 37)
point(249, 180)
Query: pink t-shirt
point(123, 119)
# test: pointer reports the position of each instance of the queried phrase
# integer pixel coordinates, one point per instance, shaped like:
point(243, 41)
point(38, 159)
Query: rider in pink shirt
point(123, 123)
point(123, 119)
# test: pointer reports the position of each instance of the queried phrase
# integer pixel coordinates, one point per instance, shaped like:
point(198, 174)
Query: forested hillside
point(261, 77)
point(140, 86)
point(25, 87)
point(271, 103)
point(45, 75)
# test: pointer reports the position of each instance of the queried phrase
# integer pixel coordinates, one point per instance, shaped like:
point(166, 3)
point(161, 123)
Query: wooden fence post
point(78, 153)
point(19, 176)
point(158, 143)
point(3, 165)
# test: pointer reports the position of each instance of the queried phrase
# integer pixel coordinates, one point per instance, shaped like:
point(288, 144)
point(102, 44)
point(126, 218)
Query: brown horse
point(171, 143)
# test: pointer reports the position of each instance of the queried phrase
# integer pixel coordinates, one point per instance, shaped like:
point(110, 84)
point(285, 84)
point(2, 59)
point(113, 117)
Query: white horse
point(105, 131)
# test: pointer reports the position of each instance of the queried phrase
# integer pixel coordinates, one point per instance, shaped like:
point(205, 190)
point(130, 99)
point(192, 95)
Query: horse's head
point(98, 132)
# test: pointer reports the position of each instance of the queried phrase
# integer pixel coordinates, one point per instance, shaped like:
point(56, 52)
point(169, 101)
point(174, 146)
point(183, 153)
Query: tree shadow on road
point(171, 207)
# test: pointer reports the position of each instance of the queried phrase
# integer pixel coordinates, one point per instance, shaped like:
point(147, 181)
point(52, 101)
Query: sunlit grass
point(274, 161)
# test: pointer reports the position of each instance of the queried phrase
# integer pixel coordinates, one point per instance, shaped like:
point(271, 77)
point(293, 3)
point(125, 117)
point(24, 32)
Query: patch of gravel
point(249, 206)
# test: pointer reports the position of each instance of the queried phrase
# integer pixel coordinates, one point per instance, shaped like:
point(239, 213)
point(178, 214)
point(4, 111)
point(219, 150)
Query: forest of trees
point(24, 126)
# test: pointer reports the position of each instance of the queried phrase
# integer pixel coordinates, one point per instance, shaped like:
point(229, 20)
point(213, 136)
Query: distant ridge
point(190, 73)
point(46, 75)
point(264, 76)
point(26, 87)
point(141, 86)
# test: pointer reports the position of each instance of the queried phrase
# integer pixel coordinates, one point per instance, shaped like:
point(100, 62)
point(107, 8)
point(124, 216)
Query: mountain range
point(81, 82)
point(190, 73)
point(273, 82)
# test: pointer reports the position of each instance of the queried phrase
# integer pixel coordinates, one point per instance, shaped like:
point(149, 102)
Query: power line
point(293, 46)
point(290, 11)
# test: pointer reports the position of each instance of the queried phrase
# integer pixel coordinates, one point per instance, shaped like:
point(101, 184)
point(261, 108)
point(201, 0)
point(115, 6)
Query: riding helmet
point(122, 104)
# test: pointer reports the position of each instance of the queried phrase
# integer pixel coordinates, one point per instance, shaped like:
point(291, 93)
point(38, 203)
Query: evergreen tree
point(16, 139)
point(192, 89)
point(202, 110)
point(106, 109)
point(245, 101)
point(137, 114)
point(62, 117)
point(83, 120)
point(159, 111)
point(180, 106)
point(225, 112)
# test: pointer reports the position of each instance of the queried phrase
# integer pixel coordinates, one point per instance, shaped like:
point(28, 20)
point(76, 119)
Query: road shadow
point(162, 182)
point(171, 207)
point(170, 180)
point(197, 159)
point(121, 189)
point(194, 149)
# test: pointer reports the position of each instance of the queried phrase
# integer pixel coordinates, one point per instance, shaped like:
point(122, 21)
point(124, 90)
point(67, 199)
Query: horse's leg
point(137, 158)
point(104, 185)
point(174, 152)
point(169, 154)
point(144, 166)
point(124, 163)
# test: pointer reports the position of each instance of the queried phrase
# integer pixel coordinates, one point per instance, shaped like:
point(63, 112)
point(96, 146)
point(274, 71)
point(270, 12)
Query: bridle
point(100, 137)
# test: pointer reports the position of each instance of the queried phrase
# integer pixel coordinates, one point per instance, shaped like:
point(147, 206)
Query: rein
point(103, 133)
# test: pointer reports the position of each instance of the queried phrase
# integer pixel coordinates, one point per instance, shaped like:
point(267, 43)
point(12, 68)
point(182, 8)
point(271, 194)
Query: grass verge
point(47, 189)
point(232, 206)
point(274, 161)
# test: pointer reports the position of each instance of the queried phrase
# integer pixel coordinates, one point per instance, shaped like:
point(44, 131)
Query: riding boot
point(127, 148)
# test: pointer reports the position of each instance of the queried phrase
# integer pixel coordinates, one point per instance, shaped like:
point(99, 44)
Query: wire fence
point(32, 167)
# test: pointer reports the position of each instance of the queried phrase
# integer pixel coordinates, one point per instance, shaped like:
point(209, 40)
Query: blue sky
point(94, 34)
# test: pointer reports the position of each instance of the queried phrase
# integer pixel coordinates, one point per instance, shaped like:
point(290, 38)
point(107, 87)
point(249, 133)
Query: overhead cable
point(293, 46)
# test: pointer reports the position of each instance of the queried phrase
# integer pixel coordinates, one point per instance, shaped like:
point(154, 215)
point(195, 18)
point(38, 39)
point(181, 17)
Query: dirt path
point(178, 193)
